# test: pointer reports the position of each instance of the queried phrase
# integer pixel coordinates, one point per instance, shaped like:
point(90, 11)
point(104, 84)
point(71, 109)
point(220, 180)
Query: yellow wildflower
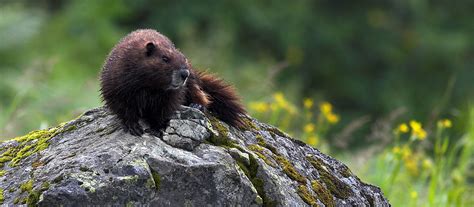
point(445, 123)
point(406, 152)
point(414, 194)
point(421, 134)
point(417, 130)
point(325, 107)
point(410, 160)
point(313, 140)
point(411, 166)
point(308, 103)
point(282, 103)
point(415, 125)
point(259, 106)
point(403, 128)
point(326, 110)
point(411, 163)
point(309, 128)
point(396, 150)
point(280, 99)
point(332, 118)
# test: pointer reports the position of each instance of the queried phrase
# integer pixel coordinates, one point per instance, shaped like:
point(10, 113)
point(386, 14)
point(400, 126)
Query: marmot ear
point(150, 48)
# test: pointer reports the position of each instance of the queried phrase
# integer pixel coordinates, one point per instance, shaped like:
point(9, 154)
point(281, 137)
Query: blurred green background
point(376, 62)
point(368, 57)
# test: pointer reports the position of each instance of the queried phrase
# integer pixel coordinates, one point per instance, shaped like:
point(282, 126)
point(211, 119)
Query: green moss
point(156, 179)
point(58, 179)
point(260, 139)
point(284, 163)
point(222, 139)
point(316, 163)
point(11, 190)
point(259, 186)
point(33, 195)
point(256, 148)
point(275, 131)
point(5, 158)
point(272, 149)
point(1, 196)
point(27, 186)
point(346, 172)
point(33, 198)
point(35, 135)
point(31, 143)
point(44, 186)
point(253, 167)
point(69, 128)
point(306, 195)
point(243, 167)
point(265, 159)
point(323, 194)
point(258, 183)
point(259, 200)
point(150, 183)
point(336, 186)
point(259, 151)
point(250, 171)
point(249, 125)
point(2, 173)
point(261, 142)
point(289, 169)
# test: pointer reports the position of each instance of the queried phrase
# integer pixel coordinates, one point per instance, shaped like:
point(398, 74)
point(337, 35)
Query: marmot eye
point(165, 59)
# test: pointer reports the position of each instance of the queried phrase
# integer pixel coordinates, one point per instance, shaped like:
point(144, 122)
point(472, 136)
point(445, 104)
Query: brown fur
point(136, 80)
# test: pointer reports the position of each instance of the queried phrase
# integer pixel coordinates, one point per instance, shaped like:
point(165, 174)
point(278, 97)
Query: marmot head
point(149, 59)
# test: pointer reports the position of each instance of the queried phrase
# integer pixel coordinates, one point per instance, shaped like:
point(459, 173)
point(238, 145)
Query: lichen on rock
point(199, 161)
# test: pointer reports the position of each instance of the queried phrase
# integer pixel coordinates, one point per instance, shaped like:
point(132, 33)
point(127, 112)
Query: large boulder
point(198, 161)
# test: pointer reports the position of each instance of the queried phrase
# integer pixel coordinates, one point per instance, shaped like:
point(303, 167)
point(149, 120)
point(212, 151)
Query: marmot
point(146, 77)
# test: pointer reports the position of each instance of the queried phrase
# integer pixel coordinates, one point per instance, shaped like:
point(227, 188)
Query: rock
point(198, 161)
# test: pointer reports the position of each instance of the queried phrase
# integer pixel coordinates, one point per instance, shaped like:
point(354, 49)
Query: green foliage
point(367, 57)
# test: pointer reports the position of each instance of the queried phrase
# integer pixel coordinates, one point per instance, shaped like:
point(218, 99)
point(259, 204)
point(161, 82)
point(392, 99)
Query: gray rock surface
point(199, 161)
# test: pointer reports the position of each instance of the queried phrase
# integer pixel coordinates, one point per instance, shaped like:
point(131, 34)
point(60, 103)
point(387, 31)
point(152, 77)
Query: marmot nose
point(184, 73)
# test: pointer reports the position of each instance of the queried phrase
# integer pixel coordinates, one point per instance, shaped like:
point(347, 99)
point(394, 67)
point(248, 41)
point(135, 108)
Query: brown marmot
point(146, 77)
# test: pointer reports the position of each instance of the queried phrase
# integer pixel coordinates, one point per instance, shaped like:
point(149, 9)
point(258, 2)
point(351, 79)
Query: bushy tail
point(225, 103)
